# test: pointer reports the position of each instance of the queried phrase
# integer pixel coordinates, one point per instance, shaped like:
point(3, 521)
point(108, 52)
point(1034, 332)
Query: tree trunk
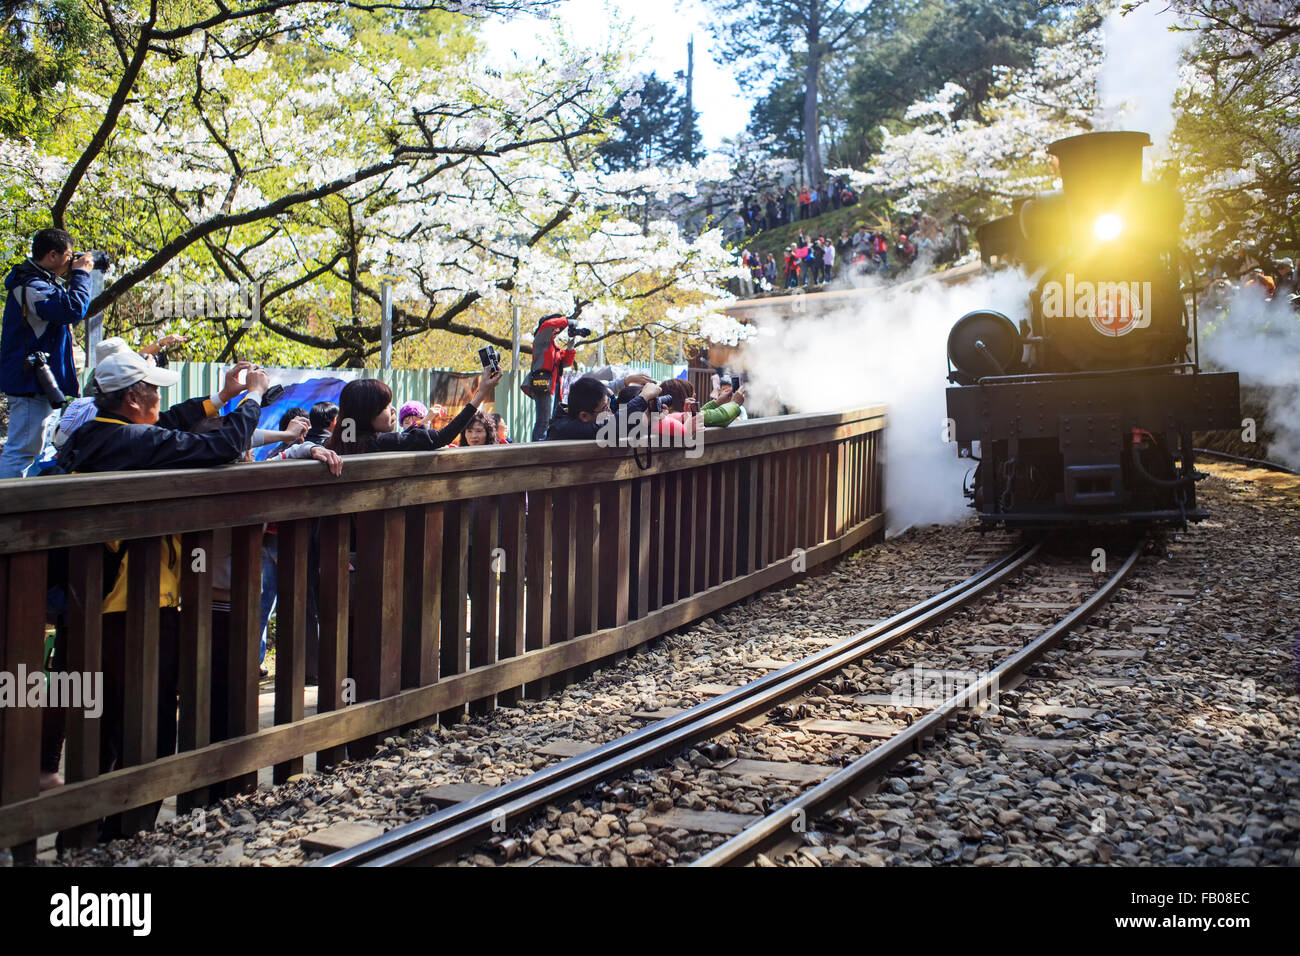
point(812, 154)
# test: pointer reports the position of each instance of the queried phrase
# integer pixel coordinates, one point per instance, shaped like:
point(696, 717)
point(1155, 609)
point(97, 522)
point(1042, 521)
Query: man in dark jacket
point(127, 432)
point(39, 313)
point(588, 408)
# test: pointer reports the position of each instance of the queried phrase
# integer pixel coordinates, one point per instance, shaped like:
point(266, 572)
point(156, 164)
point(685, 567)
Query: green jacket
point(719, 416)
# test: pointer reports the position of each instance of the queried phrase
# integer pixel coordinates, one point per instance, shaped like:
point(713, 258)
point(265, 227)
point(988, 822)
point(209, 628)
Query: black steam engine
point(1086, 411)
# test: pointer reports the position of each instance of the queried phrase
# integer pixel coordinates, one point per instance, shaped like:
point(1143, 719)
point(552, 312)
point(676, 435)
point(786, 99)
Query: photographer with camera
point(589, 406)
point(36, 368)
point(549, 362)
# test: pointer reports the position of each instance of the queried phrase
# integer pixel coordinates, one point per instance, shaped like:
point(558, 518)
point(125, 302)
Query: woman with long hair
point(367, 420)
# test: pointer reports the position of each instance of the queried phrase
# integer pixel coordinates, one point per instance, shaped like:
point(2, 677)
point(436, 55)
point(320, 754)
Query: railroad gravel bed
point(1189, 753)
point(1191, 758)
point(730, 647)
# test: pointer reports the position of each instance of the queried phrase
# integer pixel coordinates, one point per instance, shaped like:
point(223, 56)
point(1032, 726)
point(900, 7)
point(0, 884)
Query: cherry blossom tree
point(322, 155)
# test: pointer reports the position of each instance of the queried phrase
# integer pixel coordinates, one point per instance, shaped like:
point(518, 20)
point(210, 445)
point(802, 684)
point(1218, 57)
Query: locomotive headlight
point(1107, 227)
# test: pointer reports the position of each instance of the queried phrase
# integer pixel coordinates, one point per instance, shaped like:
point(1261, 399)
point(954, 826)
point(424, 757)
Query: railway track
point(1241, 460)
point(442, 835)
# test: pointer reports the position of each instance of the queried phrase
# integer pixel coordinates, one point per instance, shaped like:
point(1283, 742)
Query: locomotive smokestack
point(1100, 165)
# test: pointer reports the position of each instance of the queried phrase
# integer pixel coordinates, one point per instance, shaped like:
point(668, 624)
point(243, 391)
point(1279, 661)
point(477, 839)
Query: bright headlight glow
point(1107, 226)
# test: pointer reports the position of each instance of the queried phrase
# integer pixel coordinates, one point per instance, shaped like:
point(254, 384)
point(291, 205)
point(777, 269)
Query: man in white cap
point(127, 431)
point(83, 409)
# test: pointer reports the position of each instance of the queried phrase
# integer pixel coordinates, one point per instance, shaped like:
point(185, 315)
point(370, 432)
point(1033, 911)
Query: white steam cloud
point(1259, 338)
point(1135, 90)
point(887, 347)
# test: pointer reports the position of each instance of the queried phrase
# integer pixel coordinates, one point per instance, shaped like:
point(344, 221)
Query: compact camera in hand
point(490, 359)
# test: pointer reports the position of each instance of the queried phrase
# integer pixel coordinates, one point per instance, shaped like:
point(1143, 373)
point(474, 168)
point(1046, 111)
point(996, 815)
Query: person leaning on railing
point(367, 420)
point(588, 407)
point(129, 433)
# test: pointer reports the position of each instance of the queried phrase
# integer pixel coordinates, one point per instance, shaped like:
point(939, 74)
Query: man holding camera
point(549, 362)
point(36, 368)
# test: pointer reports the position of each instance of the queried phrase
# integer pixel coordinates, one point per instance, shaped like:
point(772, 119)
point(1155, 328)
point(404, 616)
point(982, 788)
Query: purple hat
point(411, 408)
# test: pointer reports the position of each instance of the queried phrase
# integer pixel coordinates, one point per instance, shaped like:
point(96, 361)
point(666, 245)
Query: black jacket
point(566, 427)
point(110, 443)
point(413, 439)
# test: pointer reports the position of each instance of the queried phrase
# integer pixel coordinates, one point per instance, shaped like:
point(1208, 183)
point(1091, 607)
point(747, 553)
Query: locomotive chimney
point(1096, 166)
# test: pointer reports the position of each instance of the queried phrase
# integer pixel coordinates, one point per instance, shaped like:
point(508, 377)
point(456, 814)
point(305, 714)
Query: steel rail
point(777, 828)
point(439, 834)
point(1242, 460)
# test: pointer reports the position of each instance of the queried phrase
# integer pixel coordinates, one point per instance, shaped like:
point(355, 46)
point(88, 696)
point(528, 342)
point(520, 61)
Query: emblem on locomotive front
point(1118, 312)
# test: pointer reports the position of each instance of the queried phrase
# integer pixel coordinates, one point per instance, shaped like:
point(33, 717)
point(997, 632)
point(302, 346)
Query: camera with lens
point(490, 359)
point(38, 363)
point(98, 258)
point(576, 330)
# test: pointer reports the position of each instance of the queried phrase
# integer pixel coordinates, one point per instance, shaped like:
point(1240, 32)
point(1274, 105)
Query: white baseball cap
point(110, 346)
point(124, 369)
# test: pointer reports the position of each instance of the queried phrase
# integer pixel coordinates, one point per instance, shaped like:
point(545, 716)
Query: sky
point(659, 32)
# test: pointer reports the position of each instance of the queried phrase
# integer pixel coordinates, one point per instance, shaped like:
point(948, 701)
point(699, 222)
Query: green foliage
point(1235, 142)
point(777, 118)
point(931, 43)
point(44, 44)
point(658, 131)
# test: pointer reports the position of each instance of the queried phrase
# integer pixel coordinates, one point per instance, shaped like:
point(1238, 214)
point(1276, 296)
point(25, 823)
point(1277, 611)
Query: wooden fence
point(480, 576)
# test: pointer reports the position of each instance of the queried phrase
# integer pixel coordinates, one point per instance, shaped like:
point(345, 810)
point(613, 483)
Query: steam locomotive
point(1085, 412)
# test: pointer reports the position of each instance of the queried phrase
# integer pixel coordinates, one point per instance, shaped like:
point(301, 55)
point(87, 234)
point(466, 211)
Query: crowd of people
point(813, 259)
point(792, 204)
point(1249, 267)
point(120, 426)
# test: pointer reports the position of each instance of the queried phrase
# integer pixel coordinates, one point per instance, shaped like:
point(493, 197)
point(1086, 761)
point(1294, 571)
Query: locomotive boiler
point(1085, 412)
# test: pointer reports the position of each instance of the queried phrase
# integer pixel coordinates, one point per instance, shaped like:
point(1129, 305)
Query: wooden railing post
point(377, 610)
point(453, 646)
point(422, 587)
point(512, 587)
point(194, 727)
point(483, 592)
point(538, 558)
point(335, 588)
point(85, 656)
point(291, 631)
point(22, 649)
point(142, 696)
point(240, 665)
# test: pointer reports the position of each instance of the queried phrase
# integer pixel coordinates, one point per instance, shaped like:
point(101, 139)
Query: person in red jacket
point(548, 357)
